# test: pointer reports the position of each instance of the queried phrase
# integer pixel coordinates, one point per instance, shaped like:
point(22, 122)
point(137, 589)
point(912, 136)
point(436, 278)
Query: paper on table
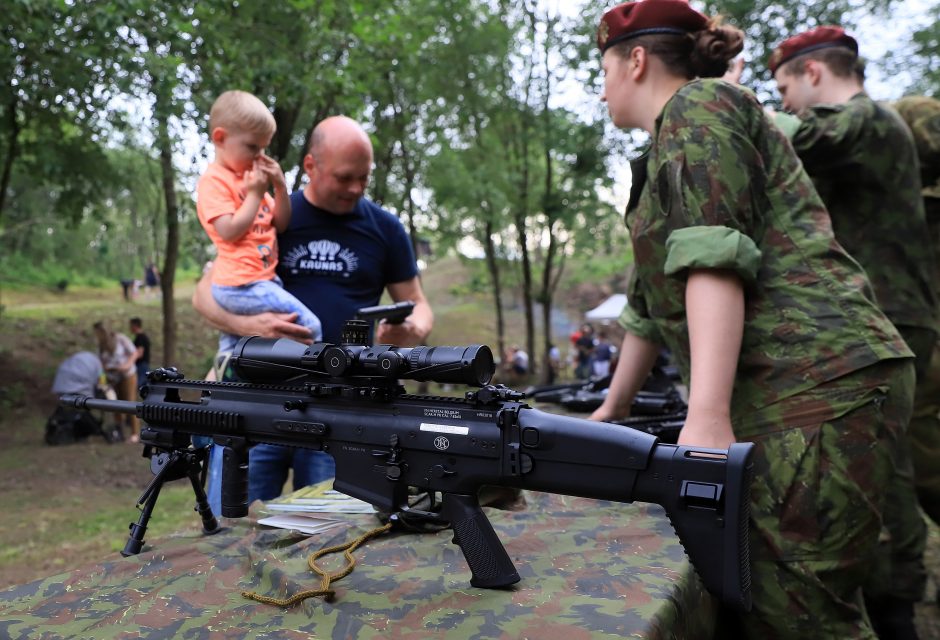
point(319, 498)
point(300, 522)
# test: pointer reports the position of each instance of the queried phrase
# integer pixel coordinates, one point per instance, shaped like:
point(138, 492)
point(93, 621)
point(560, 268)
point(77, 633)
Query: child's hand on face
point(256, 179)
point(273, 170)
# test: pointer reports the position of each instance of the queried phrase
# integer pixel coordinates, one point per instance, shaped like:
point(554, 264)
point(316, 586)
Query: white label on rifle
point(445, 428)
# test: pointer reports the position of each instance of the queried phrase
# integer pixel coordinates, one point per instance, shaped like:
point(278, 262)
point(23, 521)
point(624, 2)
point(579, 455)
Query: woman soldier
point(770, 321)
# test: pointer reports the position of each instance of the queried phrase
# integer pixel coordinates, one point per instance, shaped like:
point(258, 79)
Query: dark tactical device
point(391, 313)
point(347, 400)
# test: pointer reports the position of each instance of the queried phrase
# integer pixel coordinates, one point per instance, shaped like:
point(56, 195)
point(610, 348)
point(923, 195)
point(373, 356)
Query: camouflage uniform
point(863, 162)
point(824, 381)
point(923, 117)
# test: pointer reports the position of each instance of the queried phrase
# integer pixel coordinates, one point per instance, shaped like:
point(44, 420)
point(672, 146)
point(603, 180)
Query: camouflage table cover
point(590, 569)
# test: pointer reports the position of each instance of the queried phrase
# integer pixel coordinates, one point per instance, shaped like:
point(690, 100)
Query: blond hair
point(241, 111)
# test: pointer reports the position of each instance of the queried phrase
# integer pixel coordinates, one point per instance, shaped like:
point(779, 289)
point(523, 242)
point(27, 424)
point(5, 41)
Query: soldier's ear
point(814, 71)
point(639, 60)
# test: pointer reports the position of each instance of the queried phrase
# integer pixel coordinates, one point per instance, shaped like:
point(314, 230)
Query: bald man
point(337, 255)
point(340, 250)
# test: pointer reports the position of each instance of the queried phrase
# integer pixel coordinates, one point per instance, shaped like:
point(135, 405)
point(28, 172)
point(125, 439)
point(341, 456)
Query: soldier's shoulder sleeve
point(830, 134)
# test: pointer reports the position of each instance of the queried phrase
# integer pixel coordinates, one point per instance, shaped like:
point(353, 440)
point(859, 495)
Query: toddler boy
point(242, 218)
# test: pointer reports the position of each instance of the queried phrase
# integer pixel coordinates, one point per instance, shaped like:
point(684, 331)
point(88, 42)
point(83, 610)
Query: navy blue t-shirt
point(337, 264)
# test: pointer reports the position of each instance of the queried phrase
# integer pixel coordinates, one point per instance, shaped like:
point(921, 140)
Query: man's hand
point(276, 325)
point(405, 334)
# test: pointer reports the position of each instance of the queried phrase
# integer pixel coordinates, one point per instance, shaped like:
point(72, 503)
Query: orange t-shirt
point(253, 256)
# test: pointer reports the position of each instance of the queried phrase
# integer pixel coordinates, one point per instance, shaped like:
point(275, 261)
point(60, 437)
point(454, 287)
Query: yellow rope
point(326, 577)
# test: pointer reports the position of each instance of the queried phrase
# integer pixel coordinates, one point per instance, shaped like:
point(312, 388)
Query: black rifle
point(346, 400)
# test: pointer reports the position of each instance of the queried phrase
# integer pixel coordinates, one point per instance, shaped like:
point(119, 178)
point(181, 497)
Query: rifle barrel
point(79, 401)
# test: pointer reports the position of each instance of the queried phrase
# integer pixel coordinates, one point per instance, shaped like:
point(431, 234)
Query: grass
point(71, 505)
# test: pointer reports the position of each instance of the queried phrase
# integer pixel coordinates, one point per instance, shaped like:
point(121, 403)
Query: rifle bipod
point(168, 466)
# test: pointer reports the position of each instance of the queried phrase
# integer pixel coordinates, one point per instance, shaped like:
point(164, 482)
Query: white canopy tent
point(609, 309)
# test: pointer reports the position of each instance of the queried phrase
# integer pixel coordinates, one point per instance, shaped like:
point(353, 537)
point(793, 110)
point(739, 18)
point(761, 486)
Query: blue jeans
point(142, 368)
point(268, 465)
point(258, 297)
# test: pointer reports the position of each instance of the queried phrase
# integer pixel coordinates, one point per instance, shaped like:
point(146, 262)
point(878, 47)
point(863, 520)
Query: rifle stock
point(385, 441)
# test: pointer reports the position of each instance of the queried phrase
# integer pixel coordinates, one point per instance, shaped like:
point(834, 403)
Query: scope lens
point(472, 365)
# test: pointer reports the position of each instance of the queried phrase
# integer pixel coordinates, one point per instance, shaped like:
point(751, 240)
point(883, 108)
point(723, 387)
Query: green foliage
point(473, 144)
point(604, 269)
point(924, 53)
point(768, 22)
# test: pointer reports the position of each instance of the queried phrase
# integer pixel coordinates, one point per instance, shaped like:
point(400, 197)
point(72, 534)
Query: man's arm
point(416, 327)
point(268, 325)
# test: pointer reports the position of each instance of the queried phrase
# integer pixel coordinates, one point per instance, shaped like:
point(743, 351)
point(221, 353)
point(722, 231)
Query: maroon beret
point(812, 40)
point(632, 19)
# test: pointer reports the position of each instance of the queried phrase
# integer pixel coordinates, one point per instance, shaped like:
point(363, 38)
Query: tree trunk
point(409, 204)
point(167, 275)
point(12, 152)
point(285, 118)
point(492, 266)
point(546, 295)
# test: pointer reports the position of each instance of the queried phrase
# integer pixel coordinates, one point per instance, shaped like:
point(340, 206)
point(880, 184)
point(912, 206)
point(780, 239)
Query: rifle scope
point(259, 360)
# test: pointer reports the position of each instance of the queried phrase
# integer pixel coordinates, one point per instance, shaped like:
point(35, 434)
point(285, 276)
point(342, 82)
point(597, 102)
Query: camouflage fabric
point(922, 115)
point(589, 569)
point(819, 361)
point(924, 437)
point(863, 162)
point(818, 496)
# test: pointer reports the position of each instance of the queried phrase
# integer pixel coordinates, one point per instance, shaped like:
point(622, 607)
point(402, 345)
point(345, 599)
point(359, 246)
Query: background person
point(553, 363)
point(242, 218)
point(603, 355)
point(863, 162)
point(142, 348)
point(151, 279)
point(337, 255)
point(584, 352)
point(118, 356)
point(730, 232)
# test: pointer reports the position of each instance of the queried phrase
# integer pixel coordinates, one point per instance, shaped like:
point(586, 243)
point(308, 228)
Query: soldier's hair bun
point(714, 48)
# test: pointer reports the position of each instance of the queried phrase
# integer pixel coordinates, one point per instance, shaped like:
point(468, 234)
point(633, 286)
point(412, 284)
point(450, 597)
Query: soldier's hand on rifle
point(712, 432)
